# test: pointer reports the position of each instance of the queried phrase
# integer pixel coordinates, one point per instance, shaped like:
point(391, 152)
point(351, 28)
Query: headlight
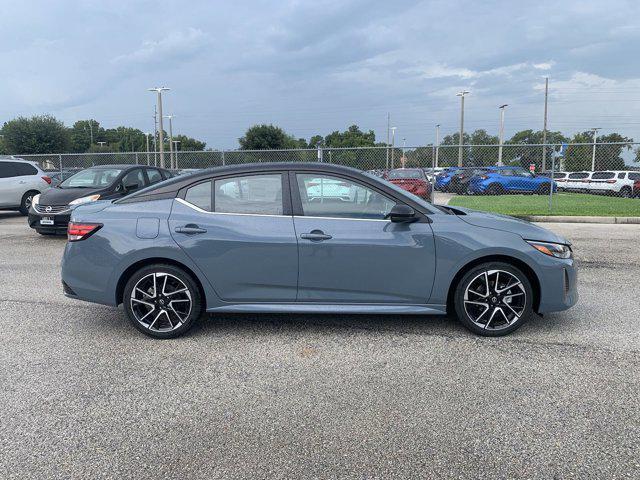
point(90, 198)
point(35, 200)
point(557, 250)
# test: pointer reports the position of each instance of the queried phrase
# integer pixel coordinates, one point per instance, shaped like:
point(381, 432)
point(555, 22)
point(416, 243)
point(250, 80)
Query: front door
point(348, 251)
point(237, 231)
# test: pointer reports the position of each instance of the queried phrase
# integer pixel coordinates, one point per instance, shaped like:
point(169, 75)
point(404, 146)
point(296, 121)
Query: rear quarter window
point(200, 195)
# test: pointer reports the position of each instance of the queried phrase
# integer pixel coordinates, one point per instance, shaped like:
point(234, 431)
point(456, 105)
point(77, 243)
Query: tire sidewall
point(196, 309)
point(24, 209)
point(463, 283)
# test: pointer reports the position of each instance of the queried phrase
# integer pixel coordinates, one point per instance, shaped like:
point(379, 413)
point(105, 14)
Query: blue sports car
point(265, 238)
point(501, 180)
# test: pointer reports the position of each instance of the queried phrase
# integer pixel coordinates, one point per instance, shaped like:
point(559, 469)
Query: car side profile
point(502, 180)
point(412, 180)
point(50, 211)
point(20, 181)
point(264, 238)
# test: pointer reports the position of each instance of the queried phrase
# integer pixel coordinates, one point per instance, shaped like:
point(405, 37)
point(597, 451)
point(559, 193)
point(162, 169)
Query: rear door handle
point(190, 229)
point(316, 236)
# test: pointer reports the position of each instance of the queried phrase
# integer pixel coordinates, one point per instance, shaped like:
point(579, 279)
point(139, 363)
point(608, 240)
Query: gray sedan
point(278, 238)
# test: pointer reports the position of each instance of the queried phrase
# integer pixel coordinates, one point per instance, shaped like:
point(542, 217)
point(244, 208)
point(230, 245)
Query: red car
point(412, 180)
point(636, 188)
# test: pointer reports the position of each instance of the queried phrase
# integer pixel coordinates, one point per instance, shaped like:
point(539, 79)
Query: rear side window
point(154, 176)
point(134, 179)
point(252, 194)
point(559, 175)
point(200, 195)
point(7, 170)
point(621, 175)
point(602, 175)
point(578, 175)
point(23, 169)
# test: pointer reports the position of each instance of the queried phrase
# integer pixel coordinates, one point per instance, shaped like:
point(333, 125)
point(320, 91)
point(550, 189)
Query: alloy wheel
point(161, 302)
point(495, 299)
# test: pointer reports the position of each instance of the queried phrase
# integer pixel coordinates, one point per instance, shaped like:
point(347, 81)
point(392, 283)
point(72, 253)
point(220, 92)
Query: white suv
point(19, 182)
point(613, 182)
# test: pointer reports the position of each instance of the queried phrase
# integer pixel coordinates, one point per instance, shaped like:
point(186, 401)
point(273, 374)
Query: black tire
point(162, 303)
point(25, 203)
point(499, 324)
point(626, 192)
point(495, 189)
point(544, 189)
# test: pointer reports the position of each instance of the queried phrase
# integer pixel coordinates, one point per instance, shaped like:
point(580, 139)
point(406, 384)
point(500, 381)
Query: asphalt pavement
point(85, 395)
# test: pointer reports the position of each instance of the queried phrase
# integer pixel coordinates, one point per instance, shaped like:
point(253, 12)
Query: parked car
point(173, 251)
point(618, 183)
point(560, 179)
point(578, 181)
point(412, 180)
point(459, 182)
point(57, 177)
point(502, 180)
point(636, 188)
point(432, 172)
point(444, 178)
point(50, 211)
point(20, 181)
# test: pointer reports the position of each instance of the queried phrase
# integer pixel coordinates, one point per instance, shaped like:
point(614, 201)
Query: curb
point(579, 219)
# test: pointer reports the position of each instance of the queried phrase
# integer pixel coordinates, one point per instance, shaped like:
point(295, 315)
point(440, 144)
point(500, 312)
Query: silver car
point(20, 181)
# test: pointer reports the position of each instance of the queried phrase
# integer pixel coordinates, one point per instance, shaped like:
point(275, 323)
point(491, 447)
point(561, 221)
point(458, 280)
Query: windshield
point(92, 178)
point(404, 173)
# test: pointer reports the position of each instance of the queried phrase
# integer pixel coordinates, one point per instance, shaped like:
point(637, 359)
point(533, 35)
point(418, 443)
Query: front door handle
point(190, 229)
point(316, 236)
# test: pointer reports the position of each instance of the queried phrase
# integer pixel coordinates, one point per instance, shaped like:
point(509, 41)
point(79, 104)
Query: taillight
point(47, 179)
point(611, 181)
point(81, 231)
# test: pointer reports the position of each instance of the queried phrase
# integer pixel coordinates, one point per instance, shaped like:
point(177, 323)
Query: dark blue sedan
point(308, 238)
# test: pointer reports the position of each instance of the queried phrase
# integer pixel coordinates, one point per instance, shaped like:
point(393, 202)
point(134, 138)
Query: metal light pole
point(393, 143)
point(437, 146)
point(388, 133)
point(461, 95)
point(544, 127)
point(593, 155)
point(171, 149)
point(148, 154)
point(175, 149)
point(501, 107)
point(159, 91)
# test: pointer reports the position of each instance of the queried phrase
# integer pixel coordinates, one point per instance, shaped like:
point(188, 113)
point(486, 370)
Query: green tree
point(609, 150)
point(518, 153)
point(81, 133)
point(265, 137)
point(448, 156)
point(126, 139)
point(38, 134)
point(352, 137)
point(189, 144)
point(481, 155)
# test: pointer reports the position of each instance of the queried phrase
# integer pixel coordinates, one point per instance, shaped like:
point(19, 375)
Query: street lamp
point(501, 107)
point(159, 91)
point(436, 146)
point(461, 95)
point(393, 142)
point(175, 149)
point(593, 154)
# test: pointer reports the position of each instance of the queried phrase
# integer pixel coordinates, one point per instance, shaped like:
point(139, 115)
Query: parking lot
point(84, 394)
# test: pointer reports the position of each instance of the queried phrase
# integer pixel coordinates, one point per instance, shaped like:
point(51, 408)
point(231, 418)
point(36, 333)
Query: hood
point(505, 223)
point(63, 196)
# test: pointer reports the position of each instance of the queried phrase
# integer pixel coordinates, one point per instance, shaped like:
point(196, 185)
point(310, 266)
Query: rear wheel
point(493, 299)
point(162, 301)
point(25, 203)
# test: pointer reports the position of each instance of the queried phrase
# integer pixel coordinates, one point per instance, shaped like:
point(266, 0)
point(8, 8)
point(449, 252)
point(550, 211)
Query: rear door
point(239, 230)
point(11, 190)
point(349, 252)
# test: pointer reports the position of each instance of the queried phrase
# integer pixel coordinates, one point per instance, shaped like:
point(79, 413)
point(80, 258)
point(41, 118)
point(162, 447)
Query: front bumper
point(60, 222)
point(559, 287)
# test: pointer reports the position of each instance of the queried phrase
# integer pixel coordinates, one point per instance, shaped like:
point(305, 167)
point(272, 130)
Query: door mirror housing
point(402, 213)
point(130, 187)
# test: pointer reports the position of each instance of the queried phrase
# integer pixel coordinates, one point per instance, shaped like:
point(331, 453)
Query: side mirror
point(402, 213)
point(130, 187)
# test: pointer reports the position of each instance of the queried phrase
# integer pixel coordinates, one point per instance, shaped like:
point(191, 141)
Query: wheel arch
point(134, 267)
point(516, 262)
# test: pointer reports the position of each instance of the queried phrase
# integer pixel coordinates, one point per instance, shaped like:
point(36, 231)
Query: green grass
point(563, 204)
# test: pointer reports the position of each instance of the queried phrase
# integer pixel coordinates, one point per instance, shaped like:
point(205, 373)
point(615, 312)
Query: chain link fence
point(608, 169)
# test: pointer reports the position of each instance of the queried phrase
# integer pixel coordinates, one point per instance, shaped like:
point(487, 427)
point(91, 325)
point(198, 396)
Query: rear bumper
point(60, 222)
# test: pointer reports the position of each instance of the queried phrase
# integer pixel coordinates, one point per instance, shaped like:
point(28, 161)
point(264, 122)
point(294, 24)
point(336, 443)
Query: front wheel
point(162, 301)
point(493, 299)
point(25, 203)
point(626, 192)
point(544, 189)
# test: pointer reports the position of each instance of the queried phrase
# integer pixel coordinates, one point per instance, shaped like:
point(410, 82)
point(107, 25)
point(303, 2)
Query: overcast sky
point(318, 66)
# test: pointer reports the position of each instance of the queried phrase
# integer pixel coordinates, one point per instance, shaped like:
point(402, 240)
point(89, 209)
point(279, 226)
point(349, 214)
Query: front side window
point(154, 176)
point(327, 196)
point(578, 175)
point(634, 176)
point(92, 178)
point(602, 175)
point(250, 194)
